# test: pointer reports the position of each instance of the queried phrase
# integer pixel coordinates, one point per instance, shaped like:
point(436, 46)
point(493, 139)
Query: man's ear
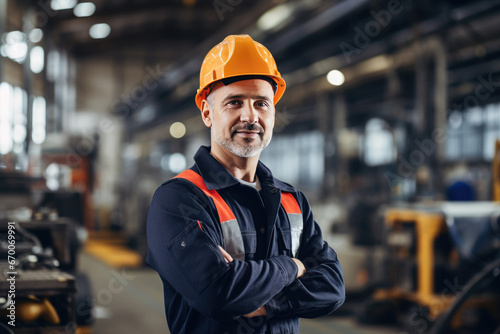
point(205, 113)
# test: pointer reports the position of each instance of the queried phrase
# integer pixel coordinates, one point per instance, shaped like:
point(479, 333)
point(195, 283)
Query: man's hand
point(301, 269)
point(226, 255)
point(262, 311)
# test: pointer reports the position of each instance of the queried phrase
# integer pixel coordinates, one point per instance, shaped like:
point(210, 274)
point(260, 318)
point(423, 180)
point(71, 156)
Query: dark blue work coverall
point(205, 294)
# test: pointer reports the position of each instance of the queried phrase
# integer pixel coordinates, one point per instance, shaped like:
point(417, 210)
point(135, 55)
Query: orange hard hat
point(236, 56)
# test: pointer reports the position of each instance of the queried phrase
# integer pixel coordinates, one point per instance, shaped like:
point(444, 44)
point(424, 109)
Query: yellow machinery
point(427, 226)
point(426, 276)
point(443, 266)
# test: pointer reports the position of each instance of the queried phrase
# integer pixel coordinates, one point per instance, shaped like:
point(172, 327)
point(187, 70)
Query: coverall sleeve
point(183, 236)
point(320, 291)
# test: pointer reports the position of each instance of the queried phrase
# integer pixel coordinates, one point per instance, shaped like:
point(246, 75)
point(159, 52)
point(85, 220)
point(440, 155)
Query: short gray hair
point(210, 100)
point(210, 96)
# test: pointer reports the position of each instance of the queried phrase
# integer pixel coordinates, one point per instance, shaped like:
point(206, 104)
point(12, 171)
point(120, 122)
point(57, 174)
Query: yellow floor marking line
point(113, 254)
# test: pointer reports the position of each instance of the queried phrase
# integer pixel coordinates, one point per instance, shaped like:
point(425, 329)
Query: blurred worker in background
point(238, 250)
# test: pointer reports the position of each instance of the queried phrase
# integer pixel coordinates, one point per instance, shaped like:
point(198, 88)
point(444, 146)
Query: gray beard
point(241, 151)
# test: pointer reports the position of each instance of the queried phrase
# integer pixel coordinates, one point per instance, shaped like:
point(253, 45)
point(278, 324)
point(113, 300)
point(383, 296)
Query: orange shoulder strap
point(225, 213)
point(290, 203)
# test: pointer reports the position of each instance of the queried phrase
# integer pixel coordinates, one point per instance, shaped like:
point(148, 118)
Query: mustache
point(247, 127)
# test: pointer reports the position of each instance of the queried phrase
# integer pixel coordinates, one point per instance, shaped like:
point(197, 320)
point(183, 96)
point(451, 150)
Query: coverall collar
point(217, 177)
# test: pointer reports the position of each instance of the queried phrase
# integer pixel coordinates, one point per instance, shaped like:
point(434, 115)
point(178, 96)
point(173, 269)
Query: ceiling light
point(100, 30)
point(62, 4)
point(84, 9)
point(36, 35)
point(178, 130)
point(274, 17)
point(15, 46)
point(19, 133)
point(14, 37)
point(177, 162)
point(38, 130)
point(37, 59)
point(335, 77)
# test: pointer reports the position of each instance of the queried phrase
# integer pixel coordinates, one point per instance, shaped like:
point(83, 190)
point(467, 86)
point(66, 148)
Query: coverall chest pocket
point(250, 243)
point(285, 243)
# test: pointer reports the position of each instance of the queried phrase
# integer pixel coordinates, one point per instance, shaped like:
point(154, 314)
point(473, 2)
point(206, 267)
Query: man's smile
point(247, 134)
point(247, 131)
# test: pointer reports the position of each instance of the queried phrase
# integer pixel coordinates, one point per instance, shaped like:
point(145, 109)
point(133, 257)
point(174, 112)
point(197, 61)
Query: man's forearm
point(262, 311)
point(319, 292)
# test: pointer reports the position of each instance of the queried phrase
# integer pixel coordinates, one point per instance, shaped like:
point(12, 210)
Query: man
point(238, 251)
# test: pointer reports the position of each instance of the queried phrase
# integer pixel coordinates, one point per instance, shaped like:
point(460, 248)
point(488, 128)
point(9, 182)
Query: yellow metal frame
point(428, 226)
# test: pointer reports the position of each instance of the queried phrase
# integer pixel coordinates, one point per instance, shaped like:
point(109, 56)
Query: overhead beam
point(335, 13)
point(79, 26)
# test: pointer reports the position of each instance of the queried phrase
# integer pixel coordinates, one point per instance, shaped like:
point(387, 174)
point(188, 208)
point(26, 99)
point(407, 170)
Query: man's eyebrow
point(240, 96)
point(262, 97)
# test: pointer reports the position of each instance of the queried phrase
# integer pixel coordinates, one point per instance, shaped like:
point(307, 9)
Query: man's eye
point(233, 103)
point(262, 104)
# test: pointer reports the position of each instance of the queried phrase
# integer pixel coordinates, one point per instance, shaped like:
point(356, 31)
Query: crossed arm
point(262, 311)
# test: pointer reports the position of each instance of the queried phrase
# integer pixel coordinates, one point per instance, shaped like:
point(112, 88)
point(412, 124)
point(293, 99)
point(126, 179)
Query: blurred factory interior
point(389, 125)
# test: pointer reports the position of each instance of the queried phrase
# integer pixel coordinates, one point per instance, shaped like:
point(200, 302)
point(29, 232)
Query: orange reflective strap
point(225, 213)
point(290, 203)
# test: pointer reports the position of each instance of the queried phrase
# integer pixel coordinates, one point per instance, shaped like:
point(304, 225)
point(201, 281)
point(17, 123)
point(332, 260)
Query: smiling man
point(238, 251)
point(241, 118)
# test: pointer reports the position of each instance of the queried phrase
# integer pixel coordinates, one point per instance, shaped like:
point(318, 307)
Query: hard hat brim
point(202, 94)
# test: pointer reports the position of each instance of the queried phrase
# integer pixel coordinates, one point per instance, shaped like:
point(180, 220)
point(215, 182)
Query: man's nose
point(249, 114)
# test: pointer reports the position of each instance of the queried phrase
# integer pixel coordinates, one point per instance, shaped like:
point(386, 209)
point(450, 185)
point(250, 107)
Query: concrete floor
point(130, 301)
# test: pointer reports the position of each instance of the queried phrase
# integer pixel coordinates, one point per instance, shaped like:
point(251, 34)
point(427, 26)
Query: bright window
point(471, 134)
point(378, 143)
point(297, 159)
